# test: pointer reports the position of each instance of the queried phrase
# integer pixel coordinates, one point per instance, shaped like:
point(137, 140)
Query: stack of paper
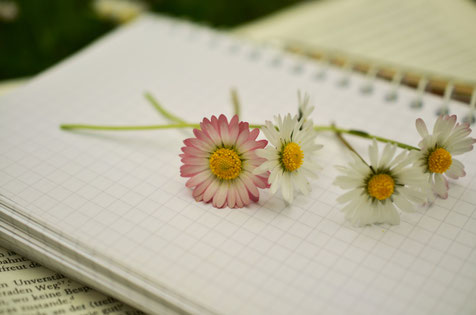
point(111, 210)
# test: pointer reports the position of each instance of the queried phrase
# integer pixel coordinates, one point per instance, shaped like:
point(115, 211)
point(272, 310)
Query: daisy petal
point(403, 204)
point(456, 170)
point(220, 196)
point(211, 191)
point(421, 127)
point(373, 153)
point(231, 197)
point(441, 186)
point(390, 214)
point(287, 188)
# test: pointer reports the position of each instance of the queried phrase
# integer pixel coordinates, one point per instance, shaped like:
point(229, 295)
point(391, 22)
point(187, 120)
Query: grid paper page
point(119, 196)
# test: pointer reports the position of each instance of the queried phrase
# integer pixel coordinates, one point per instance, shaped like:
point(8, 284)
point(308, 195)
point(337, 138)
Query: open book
point(111, 210)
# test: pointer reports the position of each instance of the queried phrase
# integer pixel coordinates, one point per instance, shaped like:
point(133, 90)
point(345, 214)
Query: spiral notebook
point(111, 210)
point(421, 43)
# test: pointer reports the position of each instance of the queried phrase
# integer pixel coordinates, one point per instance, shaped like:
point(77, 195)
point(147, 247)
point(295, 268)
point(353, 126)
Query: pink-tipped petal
point(200, 188)
point(191, 160)
point(197, 179)
point(231, 197)
point(224, 131)
point(250, 186)
point(421, 127)
point(253, 145)
point(192, 151)
point(220, 196)
point(212, 133)
point(234, 132)
point(198, 144)
point(214, 122)
point(243, 125)
point(441, 186)
point(234, 124)
point(261, 181)
point(243, 192)
point(191, 170)
point(239, 201)
point(211, 191)
point(243, 134)
point(253, 198)
point(203, 137)
point(254, 134)
point(456, 170)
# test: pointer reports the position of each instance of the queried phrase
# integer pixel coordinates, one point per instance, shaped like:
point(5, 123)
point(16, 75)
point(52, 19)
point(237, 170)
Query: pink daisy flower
point(220, 161)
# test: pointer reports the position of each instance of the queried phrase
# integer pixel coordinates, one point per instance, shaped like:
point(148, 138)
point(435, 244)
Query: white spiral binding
point(321, 74)
point(235, 45)
point(471, 117)
point(421, 88)
point(392, 95)
point(444, 109)
point(368, 87)
point(346, 68)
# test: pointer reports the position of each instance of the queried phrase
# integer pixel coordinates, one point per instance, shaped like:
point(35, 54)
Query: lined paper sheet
point(118, 196)
point(429, 37)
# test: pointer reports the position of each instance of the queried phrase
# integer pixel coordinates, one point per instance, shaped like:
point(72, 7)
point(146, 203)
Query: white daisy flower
point(289, 157)
point(449, 138)
point(378, 189)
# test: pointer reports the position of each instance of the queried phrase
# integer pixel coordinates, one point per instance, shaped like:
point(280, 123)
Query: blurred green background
point(35, 34)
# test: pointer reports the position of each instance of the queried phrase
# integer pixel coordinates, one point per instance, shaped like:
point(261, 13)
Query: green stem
point(131, 128)
point(347, 144)
point(124, 128)
point(353, 132)
point(235, 101)
point(153, 101)
point(366, 135)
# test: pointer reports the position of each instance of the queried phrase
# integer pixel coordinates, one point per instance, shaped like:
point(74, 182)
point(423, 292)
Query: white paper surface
point(119, 195)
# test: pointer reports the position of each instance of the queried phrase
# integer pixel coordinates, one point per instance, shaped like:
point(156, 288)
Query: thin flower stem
point(180, 123)
point(332, 128)
point(132, 128)
point(366, 135)
point(235, 101)
point(347, 144)
point(128, 128)
point(153, 101)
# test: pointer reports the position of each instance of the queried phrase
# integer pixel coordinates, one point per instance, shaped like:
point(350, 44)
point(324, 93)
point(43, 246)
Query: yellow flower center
point(439, 161)
point(292, 156)
point(225, 164)
point(381, 186)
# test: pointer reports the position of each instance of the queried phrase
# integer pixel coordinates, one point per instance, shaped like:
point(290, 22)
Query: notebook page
point(106, 281)
point(119, 195)
point(425, 36)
